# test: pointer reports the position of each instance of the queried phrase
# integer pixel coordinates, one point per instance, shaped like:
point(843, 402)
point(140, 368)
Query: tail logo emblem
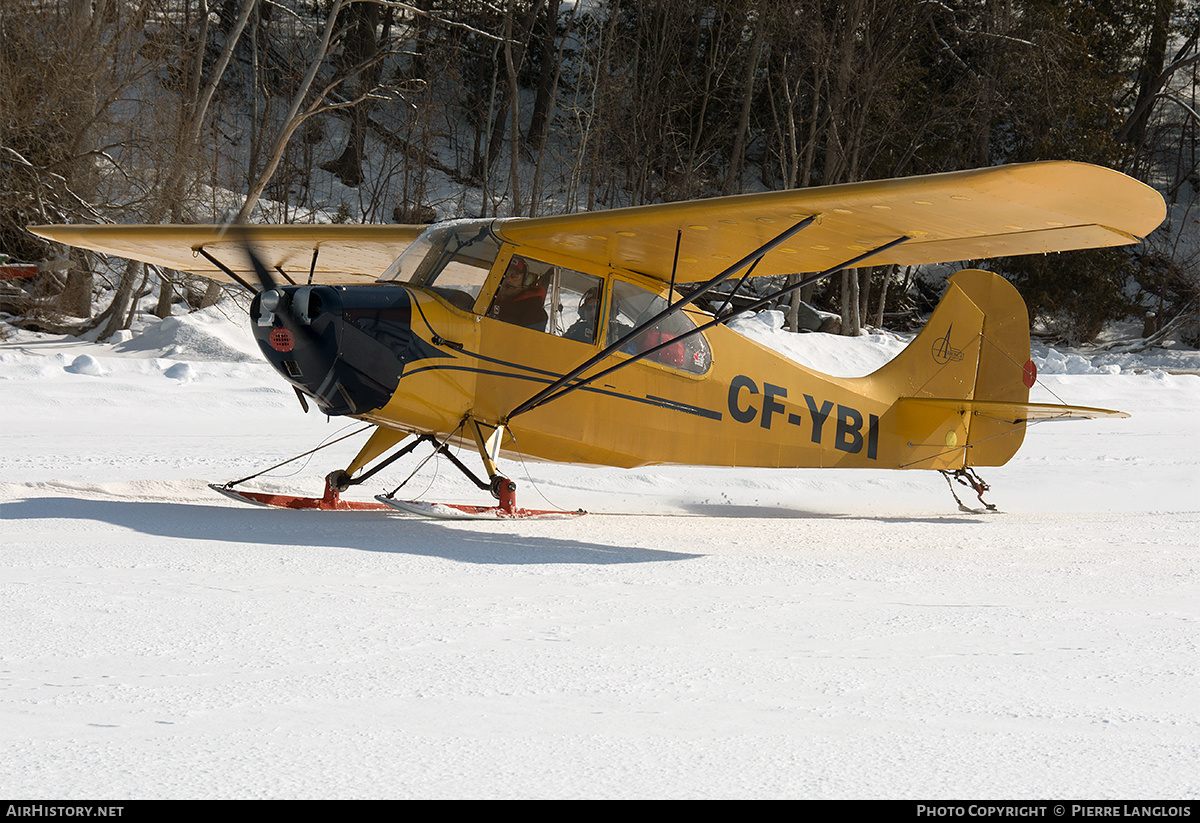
point(943, 352)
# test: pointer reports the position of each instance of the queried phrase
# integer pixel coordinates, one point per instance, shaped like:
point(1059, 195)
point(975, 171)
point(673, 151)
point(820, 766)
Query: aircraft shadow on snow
point(761, 512)
point(362, 531)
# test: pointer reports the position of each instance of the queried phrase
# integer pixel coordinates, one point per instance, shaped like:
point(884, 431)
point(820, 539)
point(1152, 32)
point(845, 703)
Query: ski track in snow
point(704, 633)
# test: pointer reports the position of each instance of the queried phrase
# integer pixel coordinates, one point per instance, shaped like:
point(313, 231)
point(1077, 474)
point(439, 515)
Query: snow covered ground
point(705, 633)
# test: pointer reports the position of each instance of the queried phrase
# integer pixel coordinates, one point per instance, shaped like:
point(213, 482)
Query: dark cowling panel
point(346, 347)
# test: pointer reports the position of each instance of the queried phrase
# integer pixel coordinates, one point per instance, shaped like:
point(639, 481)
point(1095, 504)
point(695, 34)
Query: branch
point(1180, 62)
point(292, 121)
point(438, 19)
point(38, 172)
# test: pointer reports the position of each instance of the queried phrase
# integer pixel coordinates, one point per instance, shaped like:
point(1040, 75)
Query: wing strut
point(204, 253)
point(675, 260)
point(753, 257)
point(697, 330)
point(775, 295)
point(729, 299)
point(312, 267)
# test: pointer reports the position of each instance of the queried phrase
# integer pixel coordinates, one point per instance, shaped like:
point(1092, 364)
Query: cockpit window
point(631, 305)
point(521, 296)
point(451, 259)
point(548, 298)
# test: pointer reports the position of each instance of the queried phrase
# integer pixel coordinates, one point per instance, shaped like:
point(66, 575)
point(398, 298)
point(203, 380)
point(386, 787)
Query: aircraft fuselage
point(409, 358)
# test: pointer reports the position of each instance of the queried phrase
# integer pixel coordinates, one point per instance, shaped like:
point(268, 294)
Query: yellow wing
point(346, 253)
point(1005, 210)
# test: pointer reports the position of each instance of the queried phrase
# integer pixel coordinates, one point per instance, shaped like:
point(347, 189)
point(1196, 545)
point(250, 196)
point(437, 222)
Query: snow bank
point(203, 335)
point(86, 364)
point(829, 353)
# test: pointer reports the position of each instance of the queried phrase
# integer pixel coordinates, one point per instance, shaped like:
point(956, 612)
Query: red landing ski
point(504, 490)
point(457, 511)
point(331, 501)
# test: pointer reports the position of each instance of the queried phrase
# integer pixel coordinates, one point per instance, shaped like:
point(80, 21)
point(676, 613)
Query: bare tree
point(307, 103)
point(63, 66)
point(737, 152)
point(360, 22)
point(166, 201)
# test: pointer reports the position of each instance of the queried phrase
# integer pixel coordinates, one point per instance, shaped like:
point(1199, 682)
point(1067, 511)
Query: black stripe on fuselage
point(650, 400)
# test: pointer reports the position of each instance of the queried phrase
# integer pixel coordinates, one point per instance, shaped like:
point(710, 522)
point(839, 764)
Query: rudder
point(975, 347)
point(1005, 373)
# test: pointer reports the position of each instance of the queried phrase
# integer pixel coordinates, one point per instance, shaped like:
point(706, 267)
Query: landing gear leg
point(501, 488)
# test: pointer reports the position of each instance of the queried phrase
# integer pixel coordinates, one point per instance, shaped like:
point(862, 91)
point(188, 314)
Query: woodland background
point(379, 111)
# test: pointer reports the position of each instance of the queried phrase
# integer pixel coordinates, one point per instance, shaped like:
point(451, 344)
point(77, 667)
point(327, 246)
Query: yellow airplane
point(578, 338)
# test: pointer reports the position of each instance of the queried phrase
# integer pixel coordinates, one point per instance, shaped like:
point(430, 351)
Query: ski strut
point(968, 478)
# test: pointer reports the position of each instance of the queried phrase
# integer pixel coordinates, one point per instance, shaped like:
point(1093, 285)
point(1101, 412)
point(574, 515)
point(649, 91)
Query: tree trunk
point(888, 271)
point(851, 318)
point(166, 294)
point(119, 308)
point(211, 294)
point(361, 21)
point(864, 294)
point(1149, 74)
point(739, 139)
point(539, 122)
point(794, 301)
point(77, 296)
point(515, 38)
point(292, 121)
point(537, 132)
point(514, 142)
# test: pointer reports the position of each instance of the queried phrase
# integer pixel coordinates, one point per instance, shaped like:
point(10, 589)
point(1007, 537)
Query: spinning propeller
point(296, 310)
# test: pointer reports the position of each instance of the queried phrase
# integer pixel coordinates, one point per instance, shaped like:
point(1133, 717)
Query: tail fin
point(962, 386)
point(963, 383)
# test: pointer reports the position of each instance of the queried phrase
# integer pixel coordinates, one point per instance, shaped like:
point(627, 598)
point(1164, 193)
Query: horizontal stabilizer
point(1011, 412)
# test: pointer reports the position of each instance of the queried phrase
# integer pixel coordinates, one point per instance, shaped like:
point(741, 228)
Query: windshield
point(452, 258)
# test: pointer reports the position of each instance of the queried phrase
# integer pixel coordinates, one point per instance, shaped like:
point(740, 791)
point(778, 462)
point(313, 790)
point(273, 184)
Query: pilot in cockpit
point(521, 298)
